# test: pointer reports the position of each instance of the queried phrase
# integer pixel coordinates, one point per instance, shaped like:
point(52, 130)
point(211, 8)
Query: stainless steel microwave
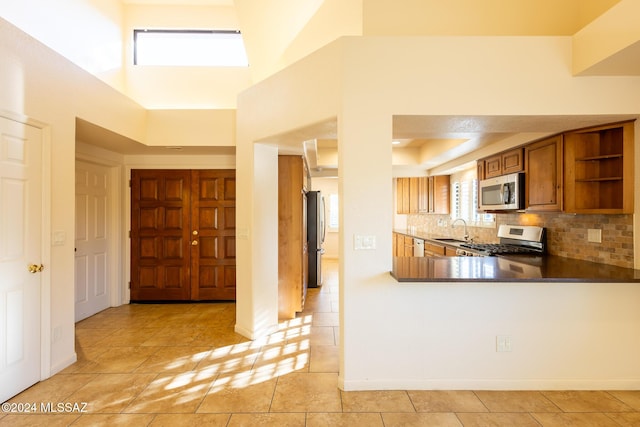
point(502, 193)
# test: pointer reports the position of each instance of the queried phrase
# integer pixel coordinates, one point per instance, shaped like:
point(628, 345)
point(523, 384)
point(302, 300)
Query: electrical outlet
point(503, 343)
point(594, 235)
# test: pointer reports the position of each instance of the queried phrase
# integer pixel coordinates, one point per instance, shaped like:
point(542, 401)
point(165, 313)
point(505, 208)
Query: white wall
point(442, 335)
point(277, 104)
point(43, 86)
point(87, 33)
point(40, 85)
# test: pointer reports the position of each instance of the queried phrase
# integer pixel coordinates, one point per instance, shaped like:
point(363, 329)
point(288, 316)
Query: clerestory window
point(208, 48)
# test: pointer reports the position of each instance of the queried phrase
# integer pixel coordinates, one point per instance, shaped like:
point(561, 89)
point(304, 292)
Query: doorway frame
point(158, 162)
point(45, 250)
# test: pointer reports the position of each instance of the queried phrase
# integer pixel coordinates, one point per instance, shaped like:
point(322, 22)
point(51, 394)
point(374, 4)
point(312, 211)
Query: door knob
point(194, 243)
point(195, 232)
point(33, 268)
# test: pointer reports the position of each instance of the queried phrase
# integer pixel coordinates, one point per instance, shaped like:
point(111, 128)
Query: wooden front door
point(213, 219)
point(182, 235)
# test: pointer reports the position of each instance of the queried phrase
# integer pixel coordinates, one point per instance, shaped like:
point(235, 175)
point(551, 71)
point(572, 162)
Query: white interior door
point(20, 252)
point(91, 240)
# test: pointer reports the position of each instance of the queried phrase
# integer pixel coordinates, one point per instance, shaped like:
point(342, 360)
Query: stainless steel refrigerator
point(315, 236)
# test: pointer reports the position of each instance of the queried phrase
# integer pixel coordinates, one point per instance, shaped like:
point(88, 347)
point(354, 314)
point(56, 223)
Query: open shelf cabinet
point(599, 169)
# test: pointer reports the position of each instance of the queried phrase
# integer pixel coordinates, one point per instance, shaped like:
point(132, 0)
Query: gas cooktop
point(514, 240)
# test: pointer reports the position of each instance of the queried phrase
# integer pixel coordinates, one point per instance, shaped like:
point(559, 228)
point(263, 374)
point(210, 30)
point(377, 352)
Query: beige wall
point(363, 82)
point(488, 17)
point(87, 33)
point(207, 128)
point(433, 327)
point(181, 87)
point(43, 86)
point(293, 29)
point(278, 104)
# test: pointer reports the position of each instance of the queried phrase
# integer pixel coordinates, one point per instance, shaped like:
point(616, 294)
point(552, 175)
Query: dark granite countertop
point(518, 268)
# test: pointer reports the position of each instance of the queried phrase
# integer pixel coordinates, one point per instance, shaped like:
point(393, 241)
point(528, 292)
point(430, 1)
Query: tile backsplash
point(566, 233)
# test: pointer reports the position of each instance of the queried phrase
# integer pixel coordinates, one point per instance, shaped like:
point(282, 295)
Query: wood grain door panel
point(183, 235)
point(160, 235)
point(213, 273)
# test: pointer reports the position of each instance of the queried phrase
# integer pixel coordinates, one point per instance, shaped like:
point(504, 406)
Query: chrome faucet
point(466, 234)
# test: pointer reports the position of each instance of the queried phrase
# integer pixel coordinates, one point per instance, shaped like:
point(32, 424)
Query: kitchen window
point(333, 212)
point(211, 48)
point(464, 204)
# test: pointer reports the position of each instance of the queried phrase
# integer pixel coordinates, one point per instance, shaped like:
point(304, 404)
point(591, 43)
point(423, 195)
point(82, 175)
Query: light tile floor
point(182, 365)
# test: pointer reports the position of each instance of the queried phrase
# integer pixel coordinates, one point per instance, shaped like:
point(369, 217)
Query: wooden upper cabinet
point(480, 173)
point(402, 195)
point(599, 169)
point(492, 166)
point(423, 195)
point(503, 163)
point(512, 161)
point(413, 195)
point(439, 199)
point(544, 175)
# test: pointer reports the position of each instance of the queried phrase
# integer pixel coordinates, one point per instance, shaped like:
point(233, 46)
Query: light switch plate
point(503, 343)
point(242, 233)
point(364, 243)
point(59, 238)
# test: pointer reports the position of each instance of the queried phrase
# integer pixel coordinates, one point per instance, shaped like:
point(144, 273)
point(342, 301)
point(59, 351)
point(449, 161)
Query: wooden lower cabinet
point(407, 245)
point(397, 244)
point(449, 251)
point(183, 235)
point(293, 259)
point(433, 250)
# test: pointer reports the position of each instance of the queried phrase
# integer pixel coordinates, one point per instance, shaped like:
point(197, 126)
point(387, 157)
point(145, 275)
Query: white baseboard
point(255, 334)
point(64, 364)
point(491, 384)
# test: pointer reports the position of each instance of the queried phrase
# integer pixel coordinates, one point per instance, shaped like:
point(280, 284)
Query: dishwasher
point(418, 247)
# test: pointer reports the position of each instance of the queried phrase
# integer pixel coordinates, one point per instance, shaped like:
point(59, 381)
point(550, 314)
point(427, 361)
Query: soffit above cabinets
point(438, 144)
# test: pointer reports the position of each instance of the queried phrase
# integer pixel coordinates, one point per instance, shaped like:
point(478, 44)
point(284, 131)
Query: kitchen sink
point(448, 240)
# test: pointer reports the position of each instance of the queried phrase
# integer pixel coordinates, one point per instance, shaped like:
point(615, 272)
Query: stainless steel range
point(514, 240)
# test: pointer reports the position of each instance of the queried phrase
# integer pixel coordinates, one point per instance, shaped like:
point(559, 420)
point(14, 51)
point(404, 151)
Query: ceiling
point(182, 2)
point(442, 144)
point(100, 137)
point(437, 143)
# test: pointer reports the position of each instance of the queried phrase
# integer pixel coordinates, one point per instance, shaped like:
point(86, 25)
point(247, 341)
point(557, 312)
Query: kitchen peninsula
point(520, 256)
point(516, 268)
